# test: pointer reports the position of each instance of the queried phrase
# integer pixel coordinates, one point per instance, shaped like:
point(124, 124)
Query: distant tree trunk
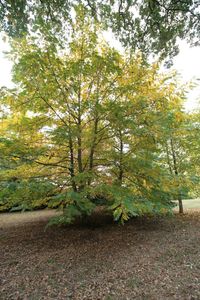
point(79, 137)
point(121, 149)
point(168, 159)
point(92, 150)
point(95, 132)
point(180, 202)
point(71, 168)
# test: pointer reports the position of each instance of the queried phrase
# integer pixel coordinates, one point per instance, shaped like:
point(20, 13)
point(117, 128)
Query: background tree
point(179, 150)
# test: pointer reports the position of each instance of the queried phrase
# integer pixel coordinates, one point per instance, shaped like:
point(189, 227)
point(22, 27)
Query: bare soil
point(147, 258)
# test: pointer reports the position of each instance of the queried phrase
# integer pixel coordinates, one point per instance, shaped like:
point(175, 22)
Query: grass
point(148, 258)
point(193, 204)
point(17, 218)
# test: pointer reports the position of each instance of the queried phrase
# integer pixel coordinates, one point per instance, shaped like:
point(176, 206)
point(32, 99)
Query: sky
point(5, 65)
point(187, 63)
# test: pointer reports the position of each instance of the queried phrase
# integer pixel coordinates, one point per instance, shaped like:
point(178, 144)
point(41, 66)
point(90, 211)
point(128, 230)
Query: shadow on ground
point(148, 258)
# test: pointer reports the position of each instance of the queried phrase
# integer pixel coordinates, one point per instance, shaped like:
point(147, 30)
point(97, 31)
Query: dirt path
point(148, 259)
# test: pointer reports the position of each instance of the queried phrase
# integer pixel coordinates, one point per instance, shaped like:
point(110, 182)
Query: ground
point(148, 258)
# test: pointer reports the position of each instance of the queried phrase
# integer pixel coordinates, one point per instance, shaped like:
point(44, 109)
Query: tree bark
point(95, 131)
point(180, 202)
point(71, 151)
point(71, 168)
point(91, 160)
point(121, 149)
point(80, 166)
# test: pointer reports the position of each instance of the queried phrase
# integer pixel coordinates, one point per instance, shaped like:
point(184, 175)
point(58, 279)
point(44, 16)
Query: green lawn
point(191, 204)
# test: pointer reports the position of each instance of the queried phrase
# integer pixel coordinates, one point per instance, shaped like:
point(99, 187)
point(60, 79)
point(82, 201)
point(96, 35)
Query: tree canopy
point(149, 25)
point(88, 126)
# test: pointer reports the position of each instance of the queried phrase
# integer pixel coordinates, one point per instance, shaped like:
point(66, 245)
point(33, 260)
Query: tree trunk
point(71, 168)
point(168, 159)
point(92, 150)
point(95, 131)
point(81, 185)
point(121, 171)
point(71, 157)
point(180, 204)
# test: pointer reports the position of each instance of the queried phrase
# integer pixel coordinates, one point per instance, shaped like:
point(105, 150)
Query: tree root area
point(147, 258)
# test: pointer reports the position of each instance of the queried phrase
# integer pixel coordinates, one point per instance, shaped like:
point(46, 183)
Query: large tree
point(90, 121)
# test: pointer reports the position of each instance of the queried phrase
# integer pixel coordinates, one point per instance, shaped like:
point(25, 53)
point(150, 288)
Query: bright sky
point(5, 65)
point(187, 63)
